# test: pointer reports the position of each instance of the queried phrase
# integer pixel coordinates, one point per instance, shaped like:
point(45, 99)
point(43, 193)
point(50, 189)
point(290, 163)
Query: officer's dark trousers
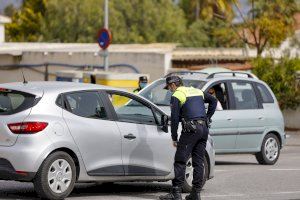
point(190, 144)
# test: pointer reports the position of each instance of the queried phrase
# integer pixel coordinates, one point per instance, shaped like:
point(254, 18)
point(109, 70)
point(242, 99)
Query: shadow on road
point(234, 163)
point(25, 191)
point(86, 190)
point(140, 190)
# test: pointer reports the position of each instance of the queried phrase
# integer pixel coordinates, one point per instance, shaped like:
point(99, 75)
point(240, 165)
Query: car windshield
point(161, 97)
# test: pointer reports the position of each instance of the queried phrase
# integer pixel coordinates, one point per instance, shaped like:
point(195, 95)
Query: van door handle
point(130, 136)
point(261, 118)
point(229, 119)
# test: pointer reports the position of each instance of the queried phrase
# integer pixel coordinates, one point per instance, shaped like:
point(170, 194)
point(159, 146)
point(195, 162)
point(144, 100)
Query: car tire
point(187, 186)
point(56, 176)
point(270, 150)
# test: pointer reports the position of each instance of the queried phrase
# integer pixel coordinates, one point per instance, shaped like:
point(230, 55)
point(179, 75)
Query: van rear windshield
point(12, 101)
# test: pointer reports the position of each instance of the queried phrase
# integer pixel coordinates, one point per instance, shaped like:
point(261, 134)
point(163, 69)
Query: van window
point(219, 91)
point(244, 95)
point(161, 97)
point(264, 93)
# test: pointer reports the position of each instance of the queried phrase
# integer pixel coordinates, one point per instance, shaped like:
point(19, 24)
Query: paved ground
point(237, 177)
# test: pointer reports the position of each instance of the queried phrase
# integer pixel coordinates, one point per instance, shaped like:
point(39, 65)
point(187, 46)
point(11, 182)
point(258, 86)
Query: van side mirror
point(165, 123)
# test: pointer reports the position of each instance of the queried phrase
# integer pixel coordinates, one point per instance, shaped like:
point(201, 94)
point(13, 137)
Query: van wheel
point(56, 176)
point(187, 186)
point(270, 150)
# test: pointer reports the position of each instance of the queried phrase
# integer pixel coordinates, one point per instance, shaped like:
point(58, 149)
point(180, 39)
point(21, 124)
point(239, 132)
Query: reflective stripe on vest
point(182, 93)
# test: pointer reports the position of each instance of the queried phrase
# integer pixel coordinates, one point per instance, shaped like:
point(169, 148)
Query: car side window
point(244, 95)
point(264, 93)
point(131, 110)
point(158, 116)
point(86, 104)
point(220, 92)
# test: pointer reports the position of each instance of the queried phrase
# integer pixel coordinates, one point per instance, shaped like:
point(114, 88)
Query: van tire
point(267, 155)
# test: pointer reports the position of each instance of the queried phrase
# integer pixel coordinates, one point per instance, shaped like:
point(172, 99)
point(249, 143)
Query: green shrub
point(281, 77)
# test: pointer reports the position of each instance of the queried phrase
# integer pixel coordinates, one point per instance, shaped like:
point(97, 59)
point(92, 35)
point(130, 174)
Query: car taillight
point(27, 127)
point(4, 90)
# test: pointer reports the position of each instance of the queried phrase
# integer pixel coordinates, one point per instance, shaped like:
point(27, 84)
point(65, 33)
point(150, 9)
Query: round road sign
point(104, 38)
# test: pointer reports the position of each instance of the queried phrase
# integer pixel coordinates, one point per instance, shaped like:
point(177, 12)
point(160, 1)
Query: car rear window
point(12, 101)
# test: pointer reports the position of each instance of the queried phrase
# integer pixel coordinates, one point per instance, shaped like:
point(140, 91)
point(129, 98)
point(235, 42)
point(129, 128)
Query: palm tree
point(208, 9)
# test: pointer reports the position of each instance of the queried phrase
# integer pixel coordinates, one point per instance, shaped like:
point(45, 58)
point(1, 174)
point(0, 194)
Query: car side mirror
point(165, 123)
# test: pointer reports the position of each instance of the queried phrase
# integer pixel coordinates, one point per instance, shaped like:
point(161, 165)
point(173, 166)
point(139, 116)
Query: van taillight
point(27, 127)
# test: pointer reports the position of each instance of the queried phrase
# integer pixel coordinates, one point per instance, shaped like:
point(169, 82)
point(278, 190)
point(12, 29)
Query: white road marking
point(284, 169)
point(291, 192)
point(223, 195)
point(250, 195)
point(221, 170)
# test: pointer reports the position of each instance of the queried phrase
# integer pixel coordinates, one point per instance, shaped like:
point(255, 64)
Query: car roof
point(224, 78)
point(57, 87)
point(39, 87)
point(217, 78)
point(214, 75)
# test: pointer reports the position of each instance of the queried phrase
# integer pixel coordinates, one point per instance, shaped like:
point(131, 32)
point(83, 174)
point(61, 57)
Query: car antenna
point(24, 80)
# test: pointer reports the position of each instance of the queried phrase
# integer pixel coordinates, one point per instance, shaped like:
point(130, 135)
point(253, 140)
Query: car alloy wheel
point(271, 149)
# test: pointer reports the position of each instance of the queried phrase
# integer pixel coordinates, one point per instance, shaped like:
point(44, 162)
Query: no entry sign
point(104, 38)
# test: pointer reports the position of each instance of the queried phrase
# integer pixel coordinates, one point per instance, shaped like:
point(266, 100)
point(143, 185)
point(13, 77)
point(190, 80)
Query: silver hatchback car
point(56, 133)
point(248, 118)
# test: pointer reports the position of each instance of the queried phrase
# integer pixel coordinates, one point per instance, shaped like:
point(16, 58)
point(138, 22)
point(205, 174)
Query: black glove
point(208, 122)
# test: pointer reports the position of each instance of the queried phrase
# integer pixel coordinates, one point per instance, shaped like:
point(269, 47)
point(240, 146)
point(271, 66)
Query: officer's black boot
point(174, 195)
point(194, 195)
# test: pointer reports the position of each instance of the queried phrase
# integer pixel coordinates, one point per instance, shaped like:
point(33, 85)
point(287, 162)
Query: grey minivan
point(57, 133)
point(248, 118)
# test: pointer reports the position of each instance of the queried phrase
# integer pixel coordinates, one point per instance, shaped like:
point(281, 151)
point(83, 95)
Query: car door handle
point(261, 118)
point(229, 119)
point(129, 136)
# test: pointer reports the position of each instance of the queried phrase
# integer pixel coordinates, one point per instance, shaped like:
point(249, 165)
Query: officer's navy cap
point(143, 79)
point(172, 79)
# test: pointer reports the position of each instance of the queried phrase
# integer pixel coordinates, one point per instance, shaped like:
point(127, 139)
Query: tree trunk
point(197, 11)
point(259, 51)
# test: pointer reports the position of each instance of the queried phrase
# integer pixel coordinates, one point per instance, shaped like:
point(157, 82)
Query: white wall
point(2, 33)
point(154, 64)
point(292, 118)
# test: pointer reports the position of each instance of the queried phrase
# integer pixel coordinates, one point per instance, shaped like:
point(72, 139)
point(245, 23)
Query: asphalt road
point(237, 177)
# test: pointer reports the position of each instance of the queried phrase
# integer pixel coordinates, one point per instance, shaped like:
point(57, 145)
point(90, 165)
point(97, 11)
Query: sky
point(244, 7)
point(5, 3)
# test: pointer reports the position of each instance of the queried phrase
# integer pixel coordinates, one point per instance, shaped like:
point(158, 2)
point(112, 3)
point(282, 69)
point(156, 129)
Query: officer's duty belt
point(200, 121)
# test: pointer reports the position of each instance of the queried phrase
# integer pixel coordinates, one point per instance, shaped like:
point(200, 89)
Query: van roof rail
point(250, 75)
point(184, 73)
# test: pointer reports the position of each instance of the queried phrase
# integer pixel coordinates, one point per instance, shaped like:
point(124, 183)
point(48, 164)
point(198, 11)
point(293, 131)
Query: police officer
point(143, 81)
point(187, 106)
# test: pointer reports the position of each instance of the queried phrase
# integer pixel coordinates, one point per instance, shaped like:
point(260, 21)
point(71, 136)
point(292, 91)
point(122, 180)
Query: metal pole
point(46, 78)
point(106, 14)
point(106, 26)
